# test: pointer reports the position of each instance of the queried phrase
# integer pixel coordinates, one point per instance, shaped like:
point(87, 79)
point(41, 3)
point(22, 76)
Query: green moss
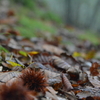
point(47, 15)
point(31, 4)
point(88, 35)
point(52, 17)
point(25, 32)
point(28, 27)
point(34, 20)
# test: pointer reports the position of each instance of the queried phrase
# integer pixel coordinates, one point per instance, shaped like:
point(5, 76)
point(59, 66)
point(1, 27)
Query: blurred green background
point(41, 17)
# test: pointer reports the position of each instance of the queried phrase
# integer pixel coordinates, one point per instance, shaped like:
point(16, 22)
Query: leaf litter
point(62, 72)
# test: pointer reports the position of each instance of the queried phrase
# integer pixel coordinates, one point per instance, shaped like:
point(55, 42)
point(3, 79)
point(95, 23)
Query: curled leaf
point(61, 64)
point(66, 83)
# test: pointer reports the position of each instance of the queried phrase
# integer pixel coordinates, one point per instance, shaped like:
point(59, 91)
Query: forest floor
point(45, 59)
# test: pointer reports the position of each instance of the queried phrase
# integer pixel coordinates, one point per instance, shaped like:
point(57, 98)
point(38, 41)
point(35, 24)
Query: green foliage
point(26, 3)
point(3, 49)
point(46, 15)
point(28, 27)
point(51, 16)
point(88, 35)
point(23, 53)
point(40, 20)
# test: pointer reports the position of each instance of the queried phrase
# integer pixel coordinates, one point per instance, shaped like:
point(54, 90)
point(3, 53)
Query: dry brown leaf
point(66, 83)
point(60, 64)
point(55, 83)
point(44, 58)
point(8, 21)
point(6, 76)
point(69, 58)
point(53, 49)
point(51, 75)
point(83, 94)
point(94, 70)
point(74, 73)
point(88, 91)
point(13, 32)
point(51, 96)
point(93, 80)
point(50, 89)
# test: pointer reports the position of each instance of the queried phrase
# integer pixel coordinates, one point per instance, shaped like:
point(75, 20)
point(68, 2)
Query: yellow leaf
point(90, 54)
point(33, 53)
point(13, 64)
point(76, 54)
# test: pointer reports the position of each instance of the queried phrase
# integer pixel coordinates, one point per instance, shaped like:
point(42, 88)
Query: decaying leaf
point(66, 83)
point(51, 93)
point(51, 75)
point(53, 49)
point(89, 91)
point(90, 54)
point(51, 96)
point(50, 89)
point(37, 65)
point(61, 64)
point(93, 80)
point(74, 73)
point(69, 95)
point(55, 83)
point(94, 69)
point(84, 94)
point(69, 58)
point(43, 58)
point(56, 67)
point(17, 68)
point(6, 76)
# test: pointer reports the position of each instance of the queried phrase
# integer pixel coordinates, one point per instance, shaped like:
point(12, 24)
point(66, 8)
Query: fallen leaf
point(23, 53)
point(6, 76)
point(66, 83)
point(93, 80)
point(59, 63)
point(33, 53)
point(94, 69)
point(53, 49)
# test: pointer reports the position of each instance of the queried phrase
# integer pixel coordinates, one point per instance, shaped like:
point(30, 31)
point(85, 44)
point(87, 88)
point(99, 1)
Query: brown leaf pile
point(39, 69)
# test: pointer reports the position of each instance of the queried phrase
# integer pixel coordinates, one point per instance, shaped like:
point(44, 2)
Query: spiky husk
point(34, 80)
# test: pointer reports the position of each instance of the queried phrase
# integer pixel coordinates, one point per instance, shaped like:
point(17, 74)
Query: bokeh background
point(48, 17)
